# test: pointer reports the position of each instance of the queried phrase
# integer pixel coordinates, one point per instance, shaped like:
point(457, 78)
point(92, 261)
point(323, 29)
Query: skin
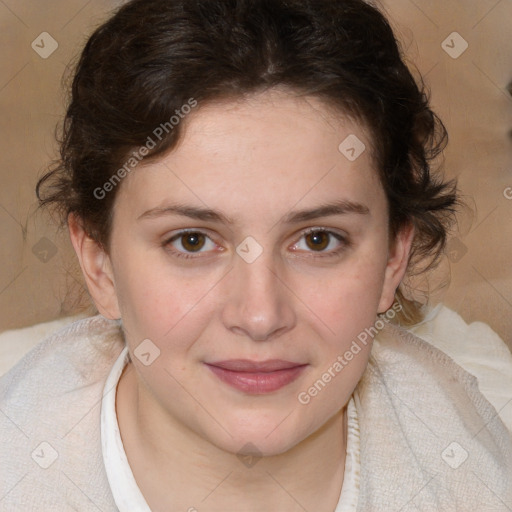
point(257, 161)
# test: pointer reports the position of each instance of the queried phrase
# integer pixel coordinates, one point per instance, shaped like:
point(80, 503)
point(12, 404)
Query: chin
point(260, 438)
point(257, 446)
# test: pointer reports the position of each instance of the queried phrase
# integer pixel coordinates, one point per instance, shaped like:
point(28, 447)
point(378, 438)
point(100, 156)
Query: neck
point(187, 471)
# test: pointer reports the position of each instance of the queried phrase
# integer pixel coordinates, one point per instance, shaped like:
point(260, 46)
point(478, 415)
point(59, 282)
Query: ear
point(96, 268)
point(398, 259)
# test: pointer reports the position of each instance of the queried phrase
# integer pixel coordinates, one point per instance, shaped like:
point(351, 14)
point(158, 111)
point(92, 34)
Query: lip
point(257, 377)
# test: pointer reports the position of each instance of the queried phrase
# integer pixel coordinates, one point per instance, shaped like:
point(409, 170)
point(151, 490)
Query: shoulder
point(421, 410)
point(476, 348)
point(50, 404)
point(447, 355)
point(76, 355)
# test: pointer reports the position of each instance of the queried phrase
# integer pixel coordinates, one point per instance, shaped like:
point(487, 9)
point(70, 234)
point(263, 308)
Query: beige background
point(39, 279)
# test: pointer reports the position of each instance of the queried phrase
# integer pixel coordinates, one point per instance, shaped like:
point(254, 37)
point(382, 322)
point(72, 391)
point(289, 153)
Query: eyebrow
point(341, 207)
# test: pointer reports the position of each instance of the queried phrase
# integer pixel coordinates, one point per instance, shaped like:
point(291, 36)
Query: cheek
point(346, 301)
point(344, 320)
point(157, 301)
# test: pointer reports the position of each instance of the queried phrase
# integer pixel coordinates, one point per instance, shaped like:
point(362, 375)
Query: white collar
point(125, 490)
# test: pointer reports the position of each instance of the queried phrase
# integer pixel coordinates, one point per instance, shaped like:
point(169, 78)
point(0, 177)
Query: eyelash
point(345, 243)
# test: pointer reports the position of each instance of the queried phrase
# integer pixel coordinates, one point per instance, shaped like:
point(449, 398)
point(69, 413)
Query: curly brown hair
point(141, 66)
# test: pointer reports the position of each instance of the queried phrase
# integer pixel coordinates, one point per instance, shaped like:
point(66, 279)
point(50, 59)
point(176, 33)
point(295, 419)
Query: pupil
point(193, 241)
point(319, 240)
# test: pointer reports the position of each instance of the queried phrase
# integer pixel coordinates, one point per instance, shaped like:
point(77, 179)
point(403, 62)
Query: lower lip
point(258, 383)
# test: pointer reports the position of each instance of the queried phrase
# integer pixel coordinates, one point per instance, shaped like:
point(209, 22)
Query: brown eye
point(317, 240)
point(193, 242)
point(324, 242)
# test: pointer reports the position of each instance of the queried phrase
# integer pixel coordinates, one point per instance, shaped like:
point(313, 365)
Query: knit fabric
point(429, 440)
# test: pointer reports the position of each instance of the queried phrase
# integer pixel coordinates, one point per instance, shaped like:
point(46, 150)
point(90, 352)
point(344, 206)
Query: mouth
point(257, 377)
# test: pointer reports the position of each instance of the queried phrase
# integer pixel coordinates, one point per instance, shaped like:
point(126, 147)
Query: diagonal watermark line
point(417, 494)
point(484, 219)
point(190, 190)
point(424, 14)
point(75, 15)
point(301, 301)
point(86, 414)
point(487, 13)
point(23, 228)
point(412, 411)
point(184, 184)
point(98, 508)
point(216, 487)
point(124, 330)
point(15, 424)
point(129, 369)
point(12, 281)
point(390, 391)
point(6, 84)
point(86, 290)
point(13, 13)
point(320, 113)
point(194, 305)
point(430, 70)
point(198, 402)
point(286, 213)
point(79, 283)
point(493, 417)
point(286, 491)
point(491, 285)
point(11, 489)
point(279, 424)
point(491, 491)
point(504, 92)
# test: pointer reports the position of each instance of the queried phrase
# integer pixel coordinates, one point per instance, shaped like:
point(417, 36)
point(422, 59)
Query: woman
point(246, 184)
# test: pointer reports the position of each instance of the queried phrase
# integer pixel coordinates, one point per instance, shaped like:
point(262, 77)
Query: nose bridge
point(259, 282)
point(258, 304)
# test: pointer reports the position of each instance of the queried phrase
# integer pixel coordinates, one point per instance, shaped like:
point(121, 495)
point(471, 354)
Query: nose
point(258, 303)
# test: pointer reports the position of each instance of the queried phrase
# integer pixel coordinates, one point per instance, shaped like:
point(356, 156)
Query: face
point(251, 257)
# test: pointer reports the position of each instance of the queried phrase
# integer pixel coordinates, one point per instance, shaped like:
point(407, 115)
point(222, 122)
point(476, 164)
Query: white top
point(125, 490)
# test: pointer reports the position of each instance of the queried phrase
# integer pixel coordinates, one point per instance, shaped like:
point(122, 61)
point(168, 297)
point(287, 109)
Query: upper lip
point(246, 365)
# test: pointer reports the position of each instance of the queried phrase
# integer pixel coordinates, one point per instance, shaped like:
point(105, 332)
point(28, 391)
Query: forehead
point(278, 115)
point(274, 149)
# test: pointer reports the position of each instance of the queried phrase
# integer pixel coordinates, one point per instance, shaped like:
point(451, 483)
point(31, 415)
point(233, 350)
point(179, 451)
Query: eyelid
point(184, 231)
point(342, 238)
point(167, 243)
point(324, 230)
